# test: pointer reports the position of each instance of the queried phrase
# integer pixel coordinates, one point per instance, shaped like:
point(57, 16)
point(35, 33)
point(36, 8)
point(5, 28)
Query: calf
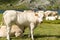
point(23, 19)
point(15, 30)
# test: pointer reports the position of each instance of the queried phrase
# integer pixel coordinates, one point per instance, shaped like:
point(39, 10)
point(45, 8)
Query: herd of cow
point(15, 22)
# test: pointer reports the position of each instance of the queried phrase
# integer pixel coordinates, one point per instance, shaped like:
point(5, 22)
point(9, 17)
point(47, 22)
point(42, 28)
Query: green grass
point(48, 30)
point(0, 17)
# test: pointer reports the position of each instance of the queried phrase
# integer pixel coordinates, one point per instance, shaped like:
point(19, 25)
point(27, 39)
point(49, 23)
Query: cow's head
point(40, 15)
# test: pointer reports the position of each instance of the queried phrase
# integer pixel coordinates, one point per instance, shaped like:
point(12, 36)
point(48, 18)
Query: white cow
point(54, 13)
point(51, 13)
point(48, 13)
point(50, 18)
point(15, 30)
point(23, 19)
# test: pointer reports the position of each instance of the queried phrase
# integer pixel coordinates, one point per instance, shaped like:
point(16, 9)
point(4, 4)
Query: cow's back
point(26, 17)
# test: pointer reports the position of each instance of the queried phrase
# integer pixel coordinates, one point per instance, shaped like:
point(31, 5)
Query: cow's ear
point(36, 14)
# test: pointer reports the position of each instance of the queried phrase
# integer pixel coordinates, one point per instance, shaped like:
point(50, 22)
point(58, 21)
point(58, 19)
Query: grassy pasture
point(48, 30)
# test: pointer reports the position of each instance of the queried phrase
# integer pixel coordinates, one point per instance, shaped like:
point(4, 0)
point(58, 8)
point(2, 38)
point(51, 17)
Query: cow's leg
point(8, 25)
point(29, 35)
point(31, 30)
point(8, 31)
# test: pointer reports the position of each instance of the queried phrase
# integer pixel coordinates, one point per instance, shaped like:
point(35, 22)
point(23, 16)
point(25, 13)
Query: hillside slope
point(30, 4)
